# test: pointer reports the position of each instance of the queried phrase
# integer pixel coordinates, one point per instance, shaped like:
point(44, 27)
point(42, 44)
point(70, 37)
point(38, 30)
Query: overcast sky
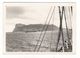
point(30, 15)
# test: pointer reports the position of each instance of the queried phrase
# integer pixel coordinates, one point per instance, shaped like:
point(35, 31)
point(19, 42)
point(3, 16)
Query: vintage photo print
point(39, 27)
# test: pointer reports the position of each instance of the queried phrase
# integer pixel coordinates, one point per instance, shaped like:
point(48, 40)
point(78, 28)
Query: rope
point(70, 14)
point(46, 30)
point(52, 32)
point(72, 10)
point(42, 29)
point(66, 24)
point(60, 28)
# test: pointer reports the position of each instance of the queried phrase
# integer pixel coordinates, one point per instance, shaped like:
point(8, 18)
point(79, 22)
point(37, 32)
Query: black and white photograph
point(39, 27)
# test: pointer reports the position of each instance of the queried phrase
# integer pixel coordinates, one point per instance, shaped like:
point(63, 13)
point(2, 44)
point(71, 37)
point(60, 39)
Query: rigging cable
point(43, 29)
point(72, 10)
point(62, 32)
point(70, 40)
point(66, 25)
point(46, 30)
point(60, 27)
point(70, 14)
point(52, 32)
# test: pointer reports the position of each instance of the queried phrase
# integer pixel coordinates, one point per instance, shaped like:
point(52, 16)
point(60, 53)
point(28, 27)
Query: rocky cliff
point(33, 27)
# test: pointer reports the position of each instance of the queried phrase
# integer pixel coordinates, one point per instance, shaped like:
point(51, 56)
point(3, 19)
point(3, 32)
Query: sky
point(32, 14)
